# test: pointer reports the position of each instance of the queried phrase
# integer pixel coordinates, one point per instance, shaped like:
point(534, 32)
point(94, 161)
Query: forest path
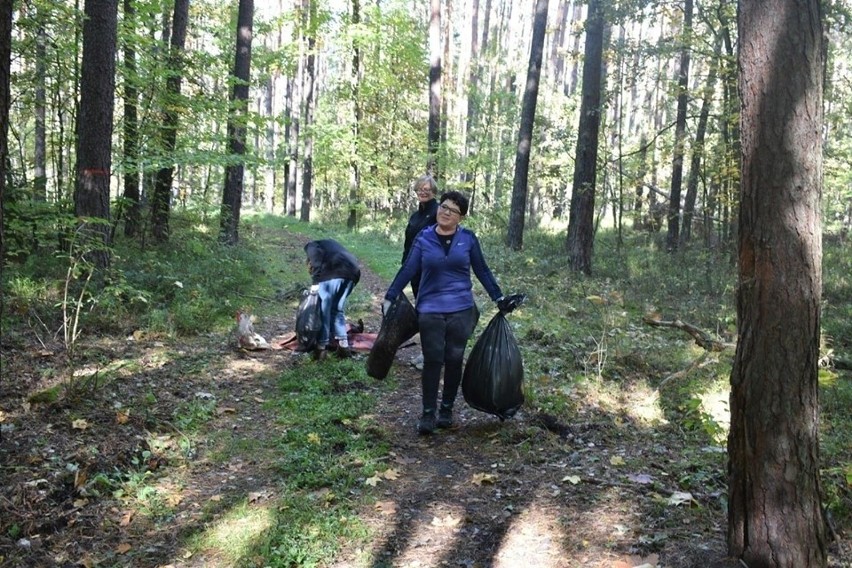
point(487, 493)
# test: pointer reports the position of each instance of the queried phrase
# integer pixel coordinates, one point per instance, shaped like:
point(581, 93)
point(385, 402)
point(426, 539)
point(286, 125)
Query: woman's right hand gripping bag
point(494, 374)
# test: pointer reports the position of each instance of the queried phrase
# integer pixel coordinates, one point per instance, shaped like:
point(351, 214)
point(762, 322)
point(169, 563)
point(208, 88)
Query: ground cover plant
point(156, 441)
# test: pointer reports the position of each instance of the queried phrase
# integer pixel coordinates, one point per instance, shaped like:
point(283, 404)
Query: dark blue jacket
point(445, 284)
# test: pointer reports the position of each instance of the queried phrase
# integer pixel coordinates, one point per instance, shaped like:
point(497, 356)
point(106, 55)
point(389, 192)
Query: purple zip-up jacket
point(445, 284)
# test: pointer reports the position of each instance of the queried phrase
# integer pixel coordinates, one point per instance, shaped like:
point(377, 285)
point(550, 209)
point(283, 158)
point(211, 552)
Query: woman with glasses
point(444, 255)
point(427, 209)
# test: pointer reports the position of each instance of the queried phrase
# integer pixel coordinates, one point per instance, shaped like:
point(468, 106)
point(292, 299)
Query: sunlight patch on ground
point(533, 539)
point(644, 406)
point(237, 532)
point(445, 524)
point(715, 403)
point(247, 366)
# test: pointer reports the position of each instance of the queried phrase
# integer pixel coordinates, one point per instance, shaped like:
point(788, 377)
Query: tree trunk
point(775, 519)
point(94, 124)
point(473, 97)
point(354, 164)
point(698, 146)
point(581, 236)
point(515, 237)
point(39, 154)
point(673, 233)
point(310, 77)
point(161, 200)
point(434, 134)
point(293, 120)
point(5, 100)
point(233, 194)
point(131, 133)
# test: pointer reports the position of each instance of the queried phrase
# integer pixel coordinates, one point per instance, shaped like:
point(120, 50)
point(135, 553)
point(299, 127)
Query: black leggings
point(443, 338)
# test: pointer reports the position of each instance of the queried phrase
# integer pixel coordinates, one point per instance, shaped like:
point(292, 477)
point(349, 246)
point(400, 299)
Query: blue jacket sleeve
point(483, 273)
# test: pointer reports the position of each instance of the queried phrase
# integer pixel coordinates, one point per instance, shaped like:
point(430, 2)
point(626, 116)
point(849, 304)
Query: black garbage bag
point(399, 325)
point(309, 322)
point(494, 374)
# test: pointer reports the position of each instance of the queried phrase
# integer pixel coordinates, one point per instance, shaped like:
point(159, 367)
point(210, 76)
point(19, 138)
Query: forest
point(668, 183)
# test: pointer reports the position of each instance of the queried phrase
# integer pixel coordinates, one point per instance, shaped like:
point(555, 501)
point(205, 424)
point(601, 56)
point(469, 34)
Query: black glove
point(507, 304)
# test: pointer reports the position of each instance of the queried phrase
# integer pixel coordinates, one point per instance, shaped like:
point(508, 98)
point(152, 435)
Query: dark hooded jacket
point(328, 259)
point(424, 216)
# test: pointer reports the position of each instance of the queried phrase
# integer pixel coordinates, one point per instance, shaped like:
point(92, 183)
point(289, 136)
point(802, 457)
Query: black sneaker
point(445, 418)
point(426, 424)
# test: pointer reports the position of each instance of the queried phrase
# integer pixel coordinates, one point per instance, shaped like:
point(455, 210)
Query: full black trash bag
point(399, 325)
point(309, 322)
point(494, 373)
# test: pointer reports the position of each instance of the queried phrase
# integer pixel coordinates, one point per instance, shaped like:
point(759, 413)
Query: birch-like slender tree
point(5, 99)
point(515, 236)
point(673, 233)
point(161, 200)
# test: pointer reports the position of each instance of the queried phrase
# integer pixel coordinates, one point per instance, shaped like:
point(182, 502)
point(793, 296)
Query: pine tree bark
point(581, 229)
point(232, 195)
point(515, 236)
point(775, 519)
point(94, 125)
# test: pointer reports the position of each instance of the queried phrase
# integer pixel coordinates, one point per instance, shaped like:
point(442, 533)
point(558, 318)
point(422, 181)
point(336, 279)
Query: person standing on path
point(334, 274)
point(444, 255)
point(426, 215)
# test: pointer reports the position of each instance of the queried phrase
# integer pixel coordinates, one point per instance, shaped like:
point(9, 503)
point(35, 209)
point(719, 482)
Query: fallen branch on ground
point(701, 337)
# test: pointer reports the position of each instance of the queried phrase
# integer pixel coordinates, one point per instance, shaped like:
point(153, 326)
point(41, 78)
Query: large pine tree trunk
point(94, 123)
point(581, 230)
point(161, 200)
point(774, 515)
point(233, 194)
point(515, 236)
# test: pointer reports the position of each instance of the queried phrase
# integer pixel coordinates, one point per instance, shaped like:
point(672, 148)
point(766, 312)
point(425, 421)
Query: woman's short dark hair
point(459, 199)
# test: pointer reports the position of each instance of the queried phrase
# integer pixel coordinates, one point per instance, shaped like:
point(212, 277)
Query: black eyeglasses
point(424, 190)
point(449, 209)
